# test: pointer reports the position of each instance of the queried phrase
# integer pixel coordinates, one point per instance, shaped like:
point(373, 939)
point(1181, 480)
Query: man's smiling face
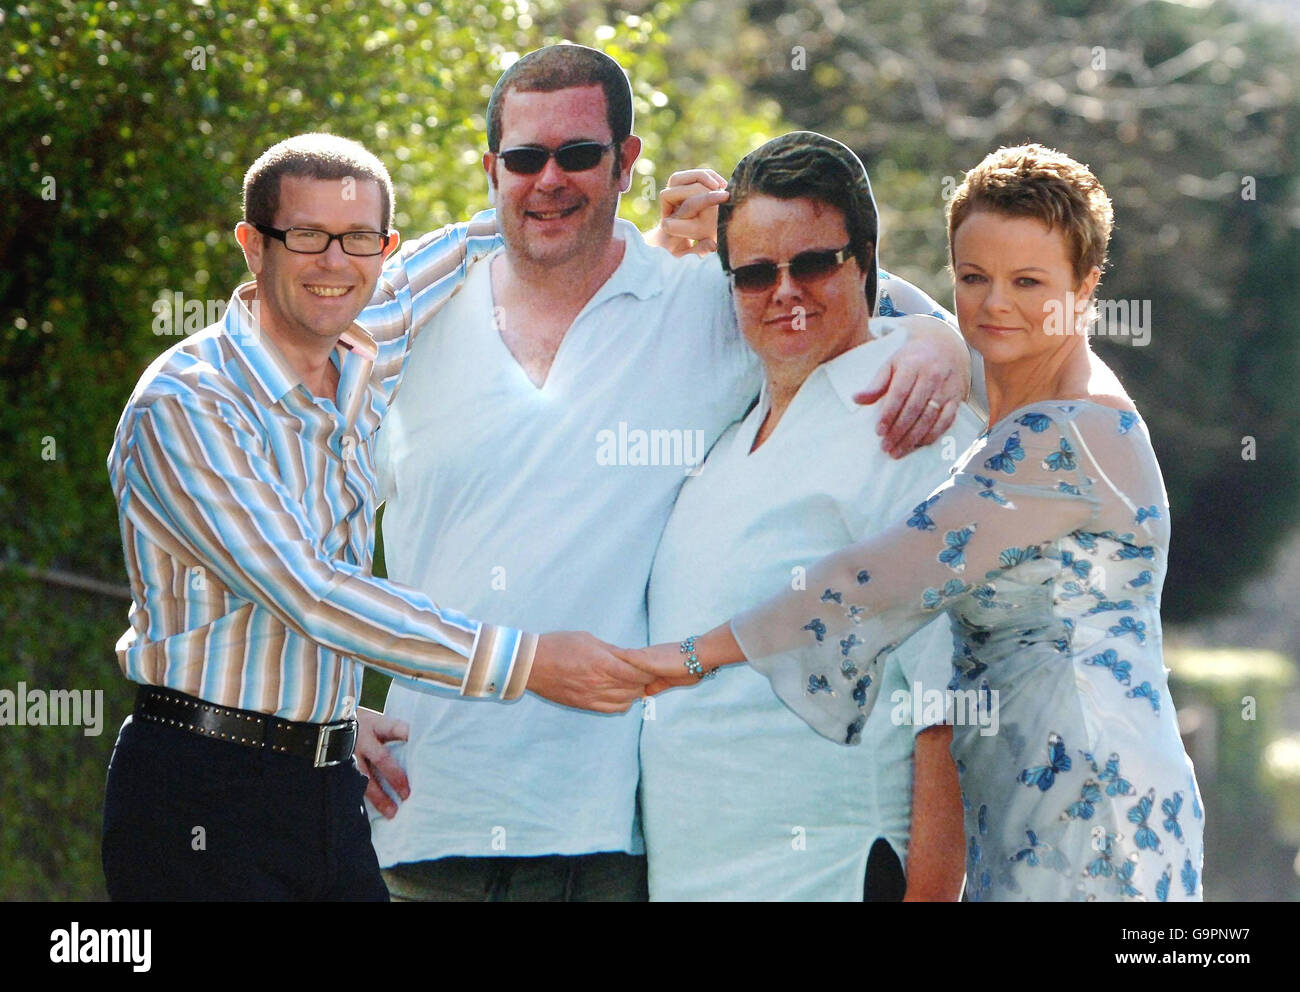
point(554, 217)
point(305, 297)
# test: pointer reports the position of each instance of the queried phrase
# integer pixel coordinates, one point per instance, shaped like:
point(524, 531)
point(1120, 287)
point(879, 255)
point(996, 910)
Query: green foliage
point(144, 116)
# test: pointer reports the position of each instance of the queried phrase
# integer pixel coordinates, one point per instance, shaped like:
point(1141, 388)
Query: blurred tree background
point(128, 126)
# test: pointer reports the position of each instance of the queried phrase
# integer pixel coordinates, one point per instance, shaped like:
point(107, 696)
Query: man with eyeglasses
point(243, 469)
point(551, 412)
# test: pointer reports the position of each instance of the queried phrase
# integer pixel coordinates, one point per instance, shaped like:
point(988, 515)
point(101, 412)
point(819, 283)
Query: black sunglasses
point(807, 266)
point(577, 156)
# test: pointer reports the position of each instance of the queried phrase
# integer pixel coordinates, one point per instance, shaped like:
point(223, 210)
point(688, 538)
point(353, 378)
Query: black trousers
point(190, 818)
point(609, 876)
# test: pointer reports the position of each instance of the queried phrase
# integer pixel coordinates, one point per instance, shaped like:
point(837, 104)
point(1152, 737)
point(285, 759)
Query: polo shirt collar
point(638, 273)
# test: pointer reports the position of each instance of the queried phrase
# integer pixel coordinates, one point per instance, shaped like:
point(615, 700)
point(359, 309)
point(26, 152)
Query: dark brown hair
point(311, 156)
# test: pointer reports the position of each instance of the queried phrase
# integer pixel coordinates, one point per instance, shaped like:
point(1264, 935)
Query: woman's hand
point(666, 663)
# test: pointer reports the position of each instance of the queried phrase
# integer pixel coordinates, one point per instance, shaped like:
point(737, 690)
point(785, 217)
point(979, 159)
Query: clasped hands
point(572, 668)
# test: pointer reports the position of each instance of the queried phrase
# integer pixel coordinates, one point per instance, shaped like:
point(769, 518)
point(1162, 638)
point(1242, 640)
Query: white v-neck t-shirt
point(545, 506)
point(738, 800)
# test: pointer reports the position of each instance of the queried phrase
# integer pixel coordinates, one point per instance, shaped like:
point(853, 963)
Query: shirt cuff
point(499, 663)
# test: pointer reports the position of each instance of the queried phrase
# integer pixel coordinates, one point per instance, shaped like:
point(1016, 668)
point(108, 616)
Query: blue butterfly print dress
point(1047, 549)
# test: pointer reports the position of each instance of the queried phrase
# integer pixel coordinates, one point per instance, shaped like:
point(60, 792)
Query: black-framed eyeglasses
point(576, 156)
point(807, 266)
point(309, 241)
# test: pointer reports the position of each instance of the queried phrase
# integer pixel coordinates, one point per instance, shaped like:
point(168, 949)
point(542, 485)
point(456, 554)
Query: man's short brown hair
point(1034, 181)
point(562, 67)
point(311, 156)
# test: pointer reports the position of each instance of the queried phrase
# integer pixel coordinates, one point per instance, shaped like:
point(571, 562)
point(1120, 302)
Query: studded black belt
point(322, 744)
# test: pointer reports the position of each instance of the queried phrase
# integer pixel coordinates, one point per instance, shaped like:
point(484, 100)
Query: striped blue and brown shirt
point(247, 509)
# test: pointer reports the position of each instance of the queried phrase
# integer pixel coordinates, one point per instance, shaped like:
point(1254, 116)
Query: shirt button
point(348, 444)
point(349, 704)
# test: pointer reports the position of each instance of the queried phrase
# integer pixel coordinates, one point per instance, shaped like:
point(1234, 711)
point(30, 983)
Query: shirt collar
point(263, 359)
point(852, 372)
point(638, 273)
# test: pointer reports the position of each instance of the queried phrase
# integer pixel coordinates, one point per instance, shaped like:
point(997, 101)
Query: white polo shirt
point(545, 506)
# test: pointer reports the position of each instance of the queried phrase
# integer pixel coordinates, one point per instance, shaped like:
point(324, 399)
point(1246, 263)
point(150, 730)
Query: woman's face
point(796, 324)
point(1015, 289)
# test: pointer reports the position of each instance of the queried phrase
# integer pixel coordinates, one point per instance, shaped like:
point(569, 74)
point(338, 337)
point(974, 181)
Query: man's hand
point(664, 662)
point(922, 385)
point(376, 761)
point(575, 669)
point(688, 212)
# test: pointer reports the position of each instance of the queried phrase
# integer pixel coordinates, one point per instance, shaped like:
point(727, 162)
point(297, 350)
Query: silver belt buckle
point(322, 744)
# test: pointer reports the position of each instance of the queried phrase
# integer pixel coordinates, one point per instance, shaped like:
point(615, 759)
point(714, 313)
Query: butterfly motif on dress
point(1143, 579)
point(1126, 421)
point(1127, 625)
point(1079, 566)
point(988, 492)
point(1030, 854)
point(829, 596)
point(819, 683)
point(1171, 807)
point(1011, 557)
point(954, 554)
point(1061, 460)
point(1115, 785)
point(1130, 551)
point(1111, 606)
point(1188, 876)
point(920, 519)
point(1005, 460)
point(854, 732)
point(1085, 540)
point(1103, 843)
point(887, 308)
point(849, 643)
point(1162, 884)
point(1148, 513)
point(1144, 691)
point(1083, 809)
point(977, 667)
point(863, 577)
point(983, 819)
point(1044, 776)
point(854, 613)
point(860, 690)
point(1036, 422)
point(1110, 659)
point(817, 627)
point(1124, 876)
point(986, 595)
point(1068, 488)
point(1196, 803)
point(1145, 837)
point(931, 598)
